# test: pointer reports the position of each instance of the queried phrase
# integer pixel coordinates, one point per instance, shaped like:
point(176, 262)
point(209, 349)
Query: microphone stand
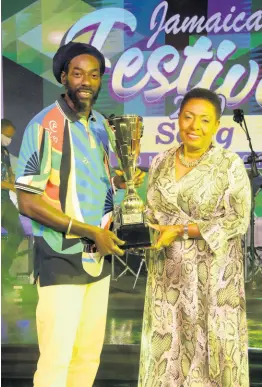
point(252, 160)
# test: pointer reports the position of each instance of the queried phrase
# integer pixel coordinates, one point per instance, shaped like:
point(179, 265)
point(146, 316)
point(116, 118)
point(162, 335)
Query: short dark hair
point(208, 95)
point(5, 123)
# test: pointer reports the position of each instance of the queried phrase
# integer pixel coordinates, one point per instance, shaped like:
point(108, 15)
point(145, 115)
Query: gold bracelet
point(69, 226)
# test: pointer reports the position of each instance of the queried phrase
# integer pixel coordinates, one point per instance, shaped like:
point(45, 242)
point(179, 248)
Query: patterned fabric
point(65, 159)
point(194, 327)
point(5, 167)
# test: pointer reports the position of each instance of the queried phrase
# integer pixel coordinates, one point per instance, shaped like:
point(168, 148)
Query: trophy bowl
point(125, 133)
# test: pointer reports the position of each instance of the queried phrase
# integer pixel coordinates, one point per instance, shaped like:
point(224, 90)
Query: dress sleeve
point(237, 204)
point(34, 161)
point(149, 211)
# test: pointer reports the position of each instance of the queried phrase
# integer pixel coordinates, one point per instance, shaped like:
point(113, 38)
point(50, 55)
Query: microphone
point(238, 115)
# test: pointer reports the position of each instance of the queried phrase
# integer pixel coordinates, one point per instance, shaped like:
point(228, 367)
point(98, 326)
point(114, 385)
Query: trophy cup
point(125, 133)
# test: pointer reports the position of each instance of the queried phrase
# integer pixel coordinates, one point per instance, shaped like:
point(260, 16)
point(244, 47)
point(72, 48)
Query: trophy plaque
point(125, 134)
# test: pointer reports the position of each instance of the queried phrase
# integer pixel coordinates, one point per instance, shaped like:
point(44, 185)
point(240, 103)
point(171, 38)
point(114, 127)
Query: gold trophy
point(125, 134)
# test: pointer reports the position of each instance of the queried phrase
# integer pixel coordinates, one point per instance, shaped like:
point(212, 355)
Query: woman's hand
point(168, 235)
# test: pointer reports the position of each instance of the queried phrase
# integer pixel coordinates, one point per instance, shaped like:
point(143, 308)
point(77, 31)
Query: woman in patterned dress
point(198, 200)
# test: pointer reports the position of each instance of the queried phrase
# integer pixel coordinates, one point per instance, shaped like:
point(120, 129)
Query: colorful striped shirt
point(64, 158)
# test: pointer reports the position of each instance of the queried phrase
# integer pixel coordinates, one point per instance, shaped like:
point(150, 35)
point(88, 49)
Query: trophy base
point(135, 236)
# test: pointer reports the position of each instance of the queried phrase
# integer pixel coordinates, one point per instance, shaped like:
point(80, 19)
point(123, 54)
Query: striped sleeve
point(34, 162)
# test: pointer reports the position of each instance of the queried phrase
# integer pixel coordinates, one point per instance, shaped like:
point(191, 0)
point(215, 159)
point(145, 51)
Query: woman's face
point(197, 123)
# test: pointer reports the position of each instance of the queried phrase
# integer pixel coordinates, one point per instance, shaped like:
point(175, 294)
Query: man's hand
point(119, 180)
point(34, 207)
point(107, 242)
point(168, 235)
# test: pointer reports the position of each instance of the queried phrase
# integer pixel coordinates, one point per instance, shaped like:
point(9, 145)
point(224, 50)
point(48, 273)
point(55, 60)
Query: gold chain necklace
point(190, 164)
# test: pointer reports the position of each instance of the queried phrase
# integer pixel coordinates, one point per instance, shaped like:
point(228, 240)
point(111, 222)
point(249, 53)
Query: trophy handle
point(112, 141)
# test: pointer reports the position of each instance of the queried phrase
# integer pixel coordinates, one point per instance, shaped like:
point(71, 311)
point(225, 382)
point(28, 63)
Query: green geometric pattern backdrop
point(32, 32)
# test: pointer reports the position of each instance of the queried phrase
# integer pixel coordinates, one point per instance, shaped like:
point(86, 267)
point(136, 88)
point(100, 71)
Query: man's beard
point(82, 105)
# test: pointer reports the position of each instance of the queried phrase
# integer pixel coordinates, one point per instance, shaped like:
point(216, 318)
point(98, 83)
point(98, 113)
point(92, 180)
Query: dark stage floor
point(124, 321)
point(121, 349)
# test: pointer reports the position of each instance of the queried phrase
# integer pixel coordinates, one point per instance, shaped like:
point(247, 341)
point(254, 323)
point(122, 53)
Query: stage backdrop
point(155, 52)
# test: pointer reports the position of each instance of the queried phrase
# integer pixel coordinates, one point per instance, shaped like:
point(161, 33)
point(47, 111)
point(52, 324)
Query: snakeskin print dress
point(194, 328)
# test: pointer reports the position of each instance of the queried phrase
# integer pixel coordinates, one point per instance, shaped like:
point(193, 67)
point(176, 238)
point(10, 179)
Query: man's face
point(82, 81)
